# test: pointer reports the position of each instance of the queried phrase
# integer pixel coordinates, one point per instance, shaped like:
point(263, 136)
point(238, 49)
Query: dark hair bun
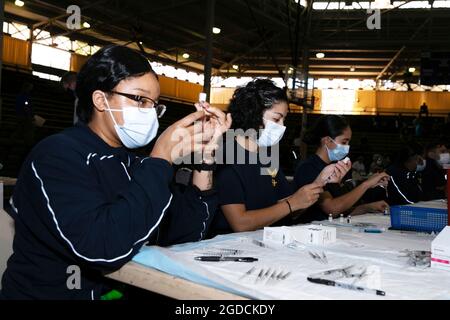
point(103, 71)
point(326, 126)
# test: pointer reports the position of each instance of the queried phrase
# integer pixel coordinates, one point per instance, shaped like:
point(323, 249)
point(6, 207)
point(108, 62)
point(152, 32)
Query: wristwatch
point(205, 166)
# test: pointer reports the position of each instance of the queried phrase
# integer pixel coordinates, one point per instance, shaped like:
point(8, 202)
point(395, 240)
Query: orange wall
point(170, 87)
point(77, 61)
point(366, 101)
point(397, 100)
point(178, 89)
point(220, 97)
point(16, 51)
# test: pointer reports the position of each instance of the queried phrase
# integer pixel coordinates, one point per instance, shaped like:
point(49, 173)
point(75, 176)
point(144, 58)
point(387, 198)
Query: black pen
point(346, 286)
point(221, 258)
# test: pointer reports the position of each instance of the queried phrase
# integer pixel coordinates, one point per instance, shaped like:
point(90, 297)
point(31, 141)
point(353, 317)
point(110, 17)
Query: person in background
point(377, 164)
point(445, 129)
point(433, 176)
point(253, 195)
point(418, 127)
point(84, 199)
point(69, 83)
point(404, 186)
point(404, 132)
point(362, 149)
point(386, 160)
point(332, 134)
point(376, 121)
point(399, 121)
point(296, 148)
point(423, 109)
point(359, 170)
point(444, 157)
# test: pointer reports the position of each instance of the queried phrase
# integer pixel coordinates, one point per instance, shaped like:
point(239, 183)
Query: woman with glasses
point(84, 204)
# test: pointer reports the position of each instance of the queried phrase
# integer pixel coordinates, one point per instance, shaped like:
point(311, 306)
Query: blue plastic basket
point(418, 218)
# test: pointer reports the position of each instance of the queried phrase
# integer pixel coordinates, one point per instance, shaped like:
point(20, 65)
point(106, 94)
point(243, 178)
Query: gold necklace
point(273, 174)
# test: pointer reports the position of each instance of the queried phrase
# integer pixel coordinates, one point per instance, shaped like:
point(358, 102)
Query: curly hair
point(249, 103)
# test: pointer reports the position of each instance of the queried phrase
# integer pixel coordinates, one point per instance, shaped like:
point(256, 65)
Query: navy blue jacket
point(79, 202)
point(404, 186)
point(433, 177)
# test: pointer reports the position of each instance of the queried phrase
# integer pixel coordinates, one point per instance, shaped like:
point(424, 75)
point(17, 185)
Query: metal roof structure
point(258, 37)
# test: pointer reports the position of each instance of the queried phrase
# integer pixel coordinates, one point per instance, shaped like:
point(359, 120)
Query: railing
point(373, 112)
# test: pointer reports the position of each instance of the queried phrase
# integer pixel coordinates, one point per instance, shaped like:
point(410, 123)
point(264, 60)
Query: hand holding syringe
point(310, 193)
point(203, 105)
point(384, 184)
point(214, 123)
point(380, 179)
point(334, 173)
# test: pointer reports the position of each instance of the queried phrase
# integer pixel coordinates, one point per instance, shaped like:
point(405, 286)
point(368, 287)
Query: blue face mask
point(338, 153)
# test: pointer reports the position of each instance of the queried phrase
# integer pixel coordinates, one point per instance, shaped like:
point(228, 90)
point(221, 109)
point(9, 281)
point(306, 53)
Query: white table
point(398, 279)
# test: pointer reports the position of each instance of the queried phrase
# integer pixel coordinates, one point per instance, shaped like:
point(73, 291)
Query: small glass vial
point(341, 218)
point(330, 217)
point(349, 218)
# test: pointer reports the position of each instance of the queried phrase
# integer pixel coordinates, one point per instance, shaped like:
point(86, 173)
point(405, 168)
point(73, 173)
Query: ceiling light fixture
point(320, 55)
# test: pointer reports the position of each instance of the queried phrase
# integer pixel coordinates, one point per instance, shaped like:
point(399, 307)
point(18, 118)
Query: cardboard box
point(440, 250)
point(277, 235)
point(307, 234)
point(314, 234)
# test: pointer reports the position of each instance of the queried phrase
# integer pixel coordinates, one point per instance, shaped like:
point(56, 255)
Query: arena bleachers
point(53, 104)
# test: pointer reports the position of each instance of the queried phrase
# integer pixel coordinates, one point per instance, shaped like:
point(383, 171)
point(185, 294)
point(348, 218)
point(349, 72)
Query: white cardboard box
point(307, 234)
point(277, 235)
point(440, 250)
point(314, 234)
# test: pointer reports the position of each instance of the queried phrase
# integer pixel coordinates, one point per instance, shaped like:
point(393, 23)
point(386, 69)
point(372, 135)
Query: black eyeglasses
point(144, 102)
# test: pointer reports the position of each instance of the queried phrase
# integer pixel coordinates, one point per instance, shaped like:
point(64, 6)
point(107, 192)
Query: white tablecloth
point(384, 250)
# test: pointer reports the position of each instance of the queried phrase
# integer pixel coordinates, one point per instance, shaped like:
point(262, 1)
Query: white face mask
point(421, 167)
point(444, 158)
point(271, 134)
point(139, 128)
